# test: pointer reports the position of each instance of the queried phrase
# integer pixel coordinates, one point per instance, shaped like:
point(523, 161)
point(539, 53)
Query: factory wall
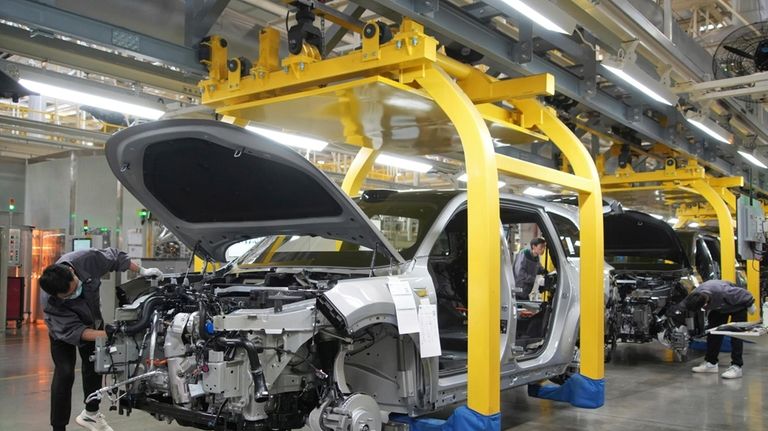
point(12, 173)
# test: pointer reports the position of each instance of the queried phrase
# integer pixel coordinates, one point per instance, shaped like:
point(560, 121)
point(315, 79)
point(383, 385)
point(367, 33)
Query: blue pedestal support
point(462, 419)
point(578, 390)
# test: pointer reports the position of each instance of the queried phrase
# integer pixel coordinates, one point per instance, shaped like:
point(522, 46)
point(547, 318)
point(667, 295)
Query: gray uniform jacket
point(68, 318)
point(724, 297)
point(526, 267)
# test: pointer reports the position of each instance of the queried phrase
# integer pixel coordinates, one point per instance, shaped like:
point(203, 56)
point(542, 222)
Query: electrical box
point(750, 231)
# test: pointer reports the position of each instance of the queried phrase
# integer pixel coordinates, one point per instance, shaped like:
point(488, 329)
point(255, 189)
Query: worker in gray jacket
point(73, 316)
point(722, 300)
point(527, 266)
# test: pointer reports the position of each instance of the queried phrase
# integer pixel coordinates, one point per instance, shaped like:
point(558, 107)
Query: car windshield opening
point(403, 219)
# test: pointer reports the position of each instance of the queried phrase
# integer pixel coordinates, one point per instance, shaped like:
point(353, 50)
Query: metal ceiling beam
point(336, 32)
point(681, 51)
point(69, 132)
point(42, 141)
point(451, 23)
point(47, 19)
point(199, 17)
point(18, 41)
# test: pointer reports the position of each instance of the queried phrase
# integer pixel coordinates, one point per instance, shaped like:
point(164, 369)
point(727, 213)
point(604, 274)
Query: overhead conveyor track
point(335, 98)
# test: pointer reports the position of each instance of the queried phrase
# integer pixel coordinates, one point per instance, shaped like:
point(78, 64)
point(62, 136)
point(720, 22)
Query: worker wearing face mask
point(73, 316)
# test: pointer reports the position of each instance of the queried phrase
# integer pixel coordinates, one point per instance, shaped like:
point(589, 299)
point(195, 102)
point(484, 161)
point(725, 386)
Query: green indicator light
point(11, 207)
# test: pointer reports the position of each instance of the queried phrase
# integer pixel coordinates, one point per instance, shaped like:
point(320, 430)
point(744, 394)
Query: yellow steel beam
point(753, 285)
point(410, 50)
point(726, 182)
point(361, 165)
point(627, 176)
point(483, 383)
point(726, 226)
point(481, 91)
point(500, 116)
point(591, 260)
point(532, 171)
point(664, 187)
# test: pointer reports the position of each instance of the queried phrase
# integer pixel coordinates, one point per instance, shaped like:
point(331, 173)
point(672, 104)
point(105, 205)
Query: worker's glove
point(150, 272)
point(752, 309)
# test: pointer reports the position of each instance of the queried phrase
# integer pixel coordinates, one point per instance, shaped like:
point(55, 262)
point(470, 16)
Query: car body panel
point(215, 184)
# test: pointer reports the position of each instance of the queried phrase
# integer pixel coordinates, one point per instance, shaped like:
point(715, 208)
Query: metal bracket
point(524, 47)
point(633, 114)
point(426, 7)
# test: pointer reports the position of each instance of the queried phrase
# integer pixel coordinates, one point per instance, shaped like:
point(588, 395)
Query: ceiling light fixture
point(630, 73)
point(693, 225)
point(708, 126)
point(656, 216)
point(541, 12)
point(83, 98)
point(535, 191)
point(401, 163)
point(752, 159)
point(673, 220)
point(290, 139)
point(463, 178)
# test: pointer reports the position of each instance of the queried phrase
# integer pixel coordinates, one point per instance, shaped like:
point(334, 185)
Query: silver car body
point(376, 370)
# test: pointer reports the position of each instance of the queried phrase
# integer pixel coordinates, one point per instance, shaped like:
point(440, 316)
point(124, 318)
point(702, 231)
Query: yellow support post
point(725, 222)
point(483, 383)
point(753, 285)
point(361, 165)
point(591, 294)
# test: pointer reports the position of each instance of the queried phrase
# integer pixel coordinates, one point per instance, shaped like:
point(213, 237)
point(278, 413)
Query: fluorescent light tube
point(634, 76)
point(289, 139)
point(541, 16)
point(535, 191)
point(673, 221)
point(82, 98)
point(708, 126)
point(656, 216)
point(752, 159)
point(401, 163)
point(463, 178)
point(693, 225)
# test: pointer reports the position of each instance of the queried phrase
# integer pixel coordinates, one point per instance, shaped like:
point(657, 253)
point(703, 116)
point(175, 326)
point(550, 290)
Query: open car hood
point(636, 234)
point(214, 184)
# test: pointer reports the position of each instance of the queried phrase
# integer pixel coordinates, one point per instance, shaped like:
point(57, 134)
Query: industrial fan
point(743, 52)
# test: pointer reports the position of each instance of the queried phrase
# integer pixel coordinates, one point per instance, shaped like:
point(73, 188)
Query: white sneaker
point(733, 372)
point(705, 367)
point(92, 421)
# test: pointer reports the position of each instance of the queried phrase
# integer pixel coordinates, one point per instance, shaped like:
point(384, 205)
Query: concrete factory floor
point(644, 389)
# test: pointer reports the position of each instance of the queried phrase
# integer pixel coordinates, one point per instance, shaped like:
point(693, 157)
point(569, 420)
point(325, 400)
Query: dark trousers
point(64, 357)
point(716, 318)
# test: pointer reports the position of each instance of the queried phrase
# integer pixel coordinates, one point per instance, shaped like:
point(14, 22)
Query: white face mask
point(77, 292)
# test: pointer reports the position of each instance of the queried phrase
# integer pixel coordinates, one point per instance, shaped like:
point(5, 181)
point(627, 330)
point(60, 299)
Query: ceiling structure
point(145, 52)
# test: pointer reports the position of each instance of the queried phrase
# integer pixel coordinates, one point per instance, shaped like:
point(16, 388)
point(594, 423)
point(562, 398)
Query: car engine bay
point(251, 352)
point(639, 310)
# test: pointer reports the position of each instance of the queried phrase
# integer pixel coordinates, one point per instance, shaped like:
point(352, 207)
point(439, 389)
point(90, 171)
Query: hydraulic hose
point(260, 392)
point(146, 316)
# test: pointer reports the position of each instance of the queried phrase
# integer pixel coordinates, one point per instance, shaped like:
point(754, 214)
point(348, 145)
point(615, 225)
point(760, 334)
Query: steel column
point(753, 285)
point(726, 226)
point(483, 383)
point(591, 260)
point(359, 168)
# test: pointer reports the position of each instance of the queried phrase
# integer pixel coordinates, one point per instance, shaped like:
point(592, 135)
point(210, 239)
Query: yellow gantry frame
point(694, 179)
point(464, 94)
